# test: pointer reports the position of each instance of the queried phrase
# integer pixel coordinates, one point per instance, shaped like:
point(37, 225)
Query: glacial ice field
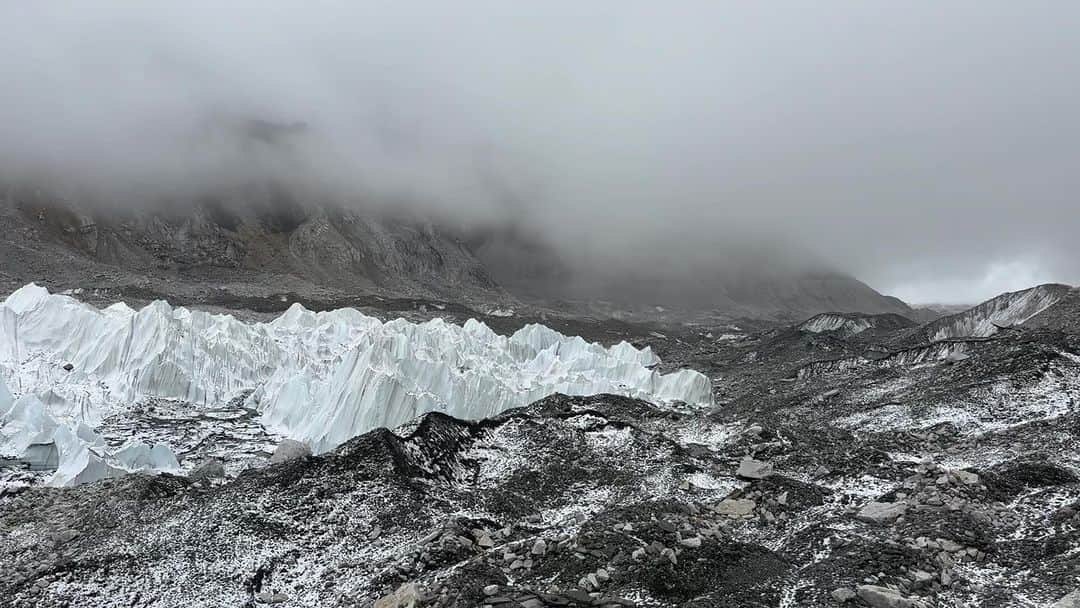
point(320, 378)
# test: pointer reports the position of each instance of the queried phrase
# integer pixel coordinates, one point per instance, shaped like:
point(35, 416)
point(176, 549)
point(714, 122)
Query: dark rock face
point(749, 289)
point(253, 242)
point(263, 241)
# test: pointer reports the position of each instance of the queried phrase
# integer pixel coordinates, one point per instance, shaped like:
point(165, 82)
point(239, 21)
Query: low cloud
point(917, 147)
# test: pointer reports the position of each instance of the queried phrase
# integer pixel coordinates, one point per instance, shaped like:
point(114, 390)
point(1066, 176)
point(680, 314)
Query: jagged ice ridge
point(320, 377)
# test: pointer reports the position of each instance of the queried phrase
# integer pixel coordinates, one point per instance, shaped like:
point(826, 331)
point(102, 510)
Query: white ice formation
point(30, 431)
point(827, 322)
point(321, 377)
point(1005, 310)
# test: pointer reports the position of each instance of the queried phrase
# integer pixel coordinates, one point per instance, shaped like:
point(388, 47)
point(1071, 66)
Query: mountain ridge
point(272, 243)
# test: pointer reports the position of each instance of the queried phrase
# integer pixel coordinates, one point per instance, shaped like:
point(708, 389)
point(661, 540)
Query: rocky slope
point(751, 288)
point(836, 469)
point(252, 242)
point(262, 247)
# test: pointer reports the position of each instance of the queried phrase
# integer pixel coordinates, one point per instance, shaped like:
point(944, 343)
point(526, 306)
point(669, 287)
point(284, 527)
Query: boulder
point(65, 536)
point(967, 477)
point(883, 597)
point(881, 512)
point(266, 597)
point(753, 469)
point(692, 542)
point(289, 449)
point(211, 469)
point(406, 596)
point(843, 595)
point(735, 507)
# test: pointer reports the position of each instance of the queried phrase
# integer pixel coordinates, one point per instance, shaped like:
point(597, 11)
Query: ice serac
point(317, 377)
point(6, 400)
point(850, 324)
point(390, 373)
point(827, 322)
point(29, 431)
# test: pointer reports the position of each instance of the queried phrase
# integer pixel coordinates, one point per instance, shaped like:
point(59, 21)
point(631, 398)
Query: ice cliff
point(1005, 310)
point(850, 324)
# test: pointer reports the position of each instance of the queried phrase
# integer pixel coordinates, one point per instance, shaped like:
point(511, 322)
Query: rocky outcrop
point(289, 449)
point(249, 239)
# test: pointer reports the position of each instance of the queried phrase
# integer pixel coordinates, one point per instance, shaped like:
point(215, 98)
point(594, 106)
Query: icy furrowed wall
point(317, 377)
point(30, 431)
point(833, 322)
point(1005, 310)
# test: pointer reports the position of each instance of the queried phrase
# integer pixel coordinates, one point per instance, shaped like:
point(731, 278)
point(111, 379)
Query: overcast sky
point(930, 148)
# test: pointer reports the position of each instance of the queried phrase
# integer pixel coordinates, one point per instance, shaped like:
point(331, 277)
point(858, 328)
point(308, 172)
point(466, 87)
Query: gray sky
point(930, 148)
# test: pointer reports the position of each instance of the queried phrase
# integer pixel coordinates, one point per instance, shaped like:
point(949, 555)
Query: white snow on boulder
point(320, 378)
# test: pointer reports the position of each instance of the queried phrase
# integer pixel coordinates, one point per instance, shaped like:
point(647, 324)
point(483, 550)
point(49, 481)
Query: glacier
point(827, 322)
point(317, 377)
point(1005, 310)
point(28, 427)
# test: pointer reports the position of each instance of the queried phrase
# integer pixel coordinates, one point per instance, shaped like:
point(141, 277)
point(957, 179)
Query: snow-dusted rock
point(850, 324)
point(289, 449)
point(881, 512)
point(211, 469)
point(842, 595)
point(753, 469)
point(883, 597)
point(735, 507)
point(406, 596)
point(827, 322)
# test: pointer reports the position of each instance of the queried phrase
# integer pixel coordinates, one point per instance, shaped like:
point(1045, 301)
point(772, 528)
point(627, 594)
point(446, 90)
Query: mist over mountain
point(614, 304)
point(918, 148)
point(271, 243)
